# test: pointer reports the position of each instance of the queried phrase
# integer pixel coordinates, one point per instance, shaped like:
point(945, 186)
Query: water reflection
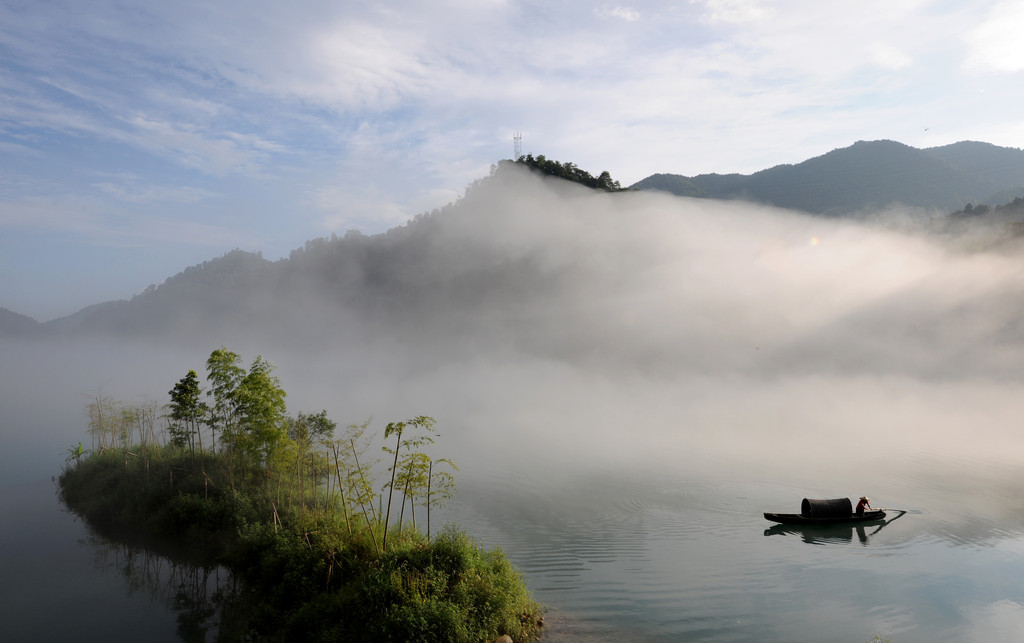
point(206, 600)
point(833, 534)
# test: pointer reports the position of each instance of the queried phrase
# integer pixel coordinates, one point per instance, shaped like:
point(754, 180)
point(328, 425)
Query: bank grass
point(312, 570)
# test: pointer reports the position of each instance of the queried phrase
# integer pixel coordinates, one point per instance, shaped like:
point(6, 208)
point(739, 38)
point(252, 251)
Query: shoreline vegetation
point(293, 508)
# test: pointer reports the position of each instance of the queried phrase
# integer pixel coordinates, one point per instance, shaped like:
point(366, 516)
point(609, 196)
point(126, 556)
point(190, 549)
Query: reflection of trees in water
point(208, 600)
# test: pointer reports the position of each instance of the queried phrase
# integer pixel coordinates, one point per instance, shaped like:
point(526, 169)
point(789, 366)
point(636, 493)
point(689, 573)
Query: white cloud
point(135, 189)
point(348, 209)
point(389, 109)
point(734, 11)
point(628, 14)
point(889, 57)
point(188, 146)
point(995, 44)
point(364, 66)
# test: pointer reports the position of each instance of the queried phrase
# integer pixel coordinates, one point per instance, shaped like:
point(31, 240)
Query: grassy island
point(294, 510)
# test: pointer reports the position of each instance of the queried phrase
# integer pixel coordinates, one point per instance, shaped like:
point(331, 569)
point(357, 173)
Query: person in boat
point(864, 502)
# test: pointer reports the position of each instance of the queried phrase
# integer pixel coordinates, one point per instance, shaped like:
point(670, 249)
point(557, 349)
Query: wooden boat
point(833, 511)
point(800, 519)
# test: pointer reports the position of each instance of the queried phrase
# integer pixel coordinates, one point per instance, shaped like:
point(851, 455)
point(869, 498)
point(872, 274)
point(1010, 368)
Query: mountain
point(12, 323)
point(197, 297)
point(523, 256)
point(674, 183)
point(869, 175)
point(451, 259)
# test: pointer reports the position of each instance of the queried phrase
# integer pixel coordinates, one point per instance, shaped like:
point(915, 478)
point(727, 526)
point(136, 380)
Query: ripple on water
point(651, 559)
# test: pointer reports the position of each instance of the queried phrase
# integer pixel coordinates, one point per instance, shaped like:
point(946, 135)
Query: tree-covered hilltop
point(1013, 208)
point(571, 172)
point(295, 508)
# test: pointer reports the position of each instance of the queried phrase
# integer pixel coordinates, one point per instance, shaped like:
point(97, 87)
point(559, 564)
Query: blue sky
point(139, 138)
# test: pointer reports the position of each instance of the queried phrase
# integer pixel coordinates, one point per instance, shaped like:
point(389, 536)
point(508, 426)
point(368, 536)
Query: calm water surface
point(615, 557)
point(628, 547)
point(671, 558)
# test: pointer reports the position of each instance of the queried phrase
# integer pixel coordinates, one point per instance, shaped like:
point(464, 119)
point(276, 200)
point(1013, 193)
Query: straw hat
point(865, 499)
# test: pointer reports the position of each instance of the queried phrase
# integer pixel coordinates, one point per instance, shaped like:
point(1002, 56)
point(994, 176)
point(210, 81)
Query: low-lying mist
point(554, 330)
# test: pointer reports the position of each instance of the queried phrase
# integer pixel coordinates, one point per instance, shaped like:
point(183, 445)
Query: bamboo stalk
point(341, 489)
point(401, 514)
point(430, 477)
point(355, 456)
point(313, 483)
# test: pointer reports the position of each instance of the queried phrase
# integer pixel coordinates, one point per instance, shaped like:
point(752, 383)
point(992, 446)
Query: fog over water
point(604, 337)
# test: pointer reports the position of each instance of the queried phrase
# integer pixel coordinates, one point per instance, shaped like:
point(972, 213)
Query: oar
point(906, 511)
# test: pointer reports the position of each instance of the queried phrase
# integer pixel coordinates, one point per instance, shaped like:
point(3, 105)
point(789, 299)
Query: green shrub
point(306, 577)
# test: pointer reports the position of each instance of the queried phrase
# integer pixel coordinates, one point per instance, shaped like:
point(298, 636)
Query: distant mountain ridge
point(410, 276)
point(460, 257)
point(201, 294)
point(869, 175)
point(12, 323)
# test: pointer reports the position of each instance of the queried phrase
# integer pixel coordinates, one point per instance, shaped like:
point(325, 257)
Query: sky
point(140, 138)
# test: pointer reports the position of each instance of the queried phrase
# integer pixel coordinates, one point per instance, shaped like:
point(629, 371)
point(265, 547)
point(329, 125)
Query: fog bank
point(552, 328)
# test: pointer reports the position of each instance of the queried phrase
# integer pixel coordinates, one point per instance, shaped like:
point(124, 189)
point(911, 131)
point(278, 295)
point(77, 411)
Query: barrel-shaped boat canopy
point(830, 508)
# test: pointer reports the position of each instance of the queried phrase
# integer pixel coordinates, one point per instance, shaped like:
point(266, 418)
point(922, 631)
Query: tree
point(354, 476)
point(570, 172)
point(606, 183)
point(440, 486)
point(260, 409)
point(307, 428)
point(248, 407)
point(305, 431)
point(187, 413)
point(224, 375)
point(413, 465)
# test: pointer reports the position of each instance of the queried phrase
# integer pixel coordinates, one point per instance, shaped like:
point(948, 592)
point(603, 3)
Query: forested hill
point(523, 256)
point(470, 255)
point(570, 172)
point(869, 175)
point(200, 296)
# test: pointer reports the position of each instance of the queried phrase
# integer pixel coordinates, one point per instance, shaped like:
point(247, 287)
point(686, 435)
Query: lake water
point(615, 558)
point(676, 558)
point(645, 531)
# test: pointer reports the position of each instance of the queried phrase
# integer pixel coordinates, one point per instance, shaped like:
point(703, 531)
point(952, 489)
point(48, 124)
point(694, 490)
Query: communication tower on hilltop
point(517, 141)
